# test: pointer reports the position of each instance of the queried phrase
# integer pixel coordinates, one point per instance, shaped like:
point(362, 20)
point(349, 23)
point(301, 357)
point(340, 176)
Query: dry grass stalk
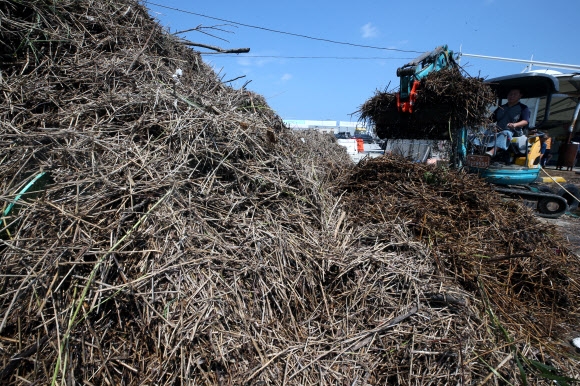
point(251, 270)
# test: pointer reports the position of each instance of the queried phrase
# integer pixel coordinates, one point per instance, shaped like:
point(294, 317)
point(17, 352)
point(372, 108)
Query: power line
point(281, 32)
point(304, 57)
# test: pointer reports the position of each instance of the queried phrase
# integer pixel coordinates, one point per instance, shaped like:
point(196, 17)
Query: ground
point(569, 224)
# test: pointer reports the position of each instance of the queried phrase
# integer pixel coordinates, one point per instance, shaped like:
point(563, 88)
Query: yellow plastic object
point(553, 179)
point(533, 156)
point(534, 151)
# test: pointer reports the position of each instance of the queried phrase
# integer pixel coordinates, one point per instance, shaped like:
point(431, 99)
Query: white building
point(330, 127)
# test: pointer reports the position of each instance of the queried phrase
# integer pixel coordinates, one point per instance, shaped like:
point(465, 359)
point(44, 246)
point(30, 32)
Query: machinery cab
point(533, 86)
point(564, 119)
point(563, 123)
point(505, 157)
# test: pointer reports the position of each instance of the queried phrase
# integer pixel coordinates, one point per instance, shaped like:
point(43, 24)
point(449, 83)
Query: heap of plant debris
point(446, 100)
point(161, 227)
point(518, 269)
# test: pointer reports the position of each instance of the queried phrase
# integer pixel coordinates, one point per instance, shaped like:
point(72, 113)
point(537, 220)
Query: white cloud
point(369, 31)
point(398, 44)
point(254, 62)
point(286, 77)
point(259, 59)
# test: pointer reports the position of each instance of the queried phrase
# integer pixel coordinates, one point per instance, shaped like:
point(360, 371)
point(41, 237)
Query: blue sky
point(326, 88)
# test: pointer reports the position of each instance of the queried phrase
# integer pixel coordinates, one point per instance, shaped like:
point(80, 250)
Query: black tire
point(572, 197)
point(549, 207)
point(545, 189)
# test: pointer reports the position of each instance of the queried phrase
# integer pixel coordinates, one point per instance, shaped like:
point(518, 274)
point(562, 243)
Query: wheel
point(571, 194)
point(551, 207)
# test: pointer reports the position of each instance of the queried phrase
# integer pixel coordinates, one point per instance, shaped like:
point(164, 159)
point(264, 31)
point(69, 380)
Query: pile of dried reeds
point(446, 100)
point(181, 235)
point(496, 250)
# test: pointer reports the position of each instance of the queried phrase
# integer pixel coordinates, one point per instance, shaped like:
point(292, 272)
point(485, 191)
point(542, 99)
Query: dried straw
point(182, 235)
point(446, 100)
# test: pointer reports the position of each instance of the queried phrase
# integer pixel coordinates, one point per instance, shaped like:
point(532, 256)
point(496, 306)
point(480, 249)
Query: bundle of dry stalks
point(180, 235)
point(446, 100)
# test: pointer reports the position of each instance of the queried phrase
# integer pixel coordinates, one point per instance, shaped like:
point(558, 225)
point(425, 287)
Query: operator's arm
point(521, 124)
point(524, 119)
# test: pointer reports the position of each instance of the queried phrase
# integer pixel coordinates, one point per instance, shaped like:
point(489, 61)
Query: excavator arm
point(411, 74)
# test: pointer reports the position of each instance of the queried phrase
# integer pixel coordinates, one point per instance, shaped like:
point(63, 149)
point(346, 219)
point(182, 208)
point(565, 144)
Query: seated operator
point(514, 115)
point(511, 119)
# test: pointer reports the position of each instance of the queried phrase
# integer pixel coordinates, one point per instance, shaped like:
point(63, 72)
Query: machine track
point(549, 205)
